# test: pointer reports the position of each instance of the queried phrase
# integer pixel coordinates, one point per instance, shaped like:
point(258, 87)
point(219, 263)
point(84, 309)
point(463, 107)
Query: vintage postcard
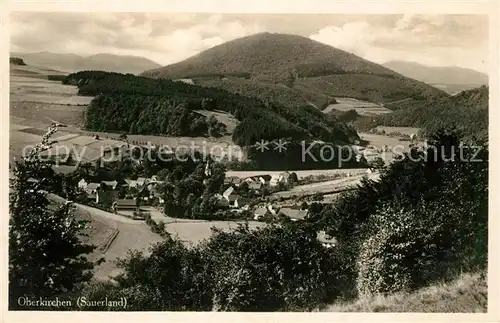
point(198, 159)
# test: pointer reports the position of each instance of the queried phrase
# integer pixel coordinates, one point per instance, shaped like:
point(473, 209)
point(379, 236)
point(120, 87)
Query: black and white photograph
point(249, 162)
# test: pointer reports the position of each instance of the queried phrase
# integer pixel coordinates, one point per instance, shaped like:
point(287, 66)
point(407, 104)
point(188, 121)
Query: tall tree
point(46, 255)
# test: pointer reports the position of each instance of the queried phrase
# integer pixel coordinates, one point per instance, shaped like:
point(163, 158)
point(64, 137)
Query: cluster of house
point(108, 191)
point(231, 198)
point(293, 214)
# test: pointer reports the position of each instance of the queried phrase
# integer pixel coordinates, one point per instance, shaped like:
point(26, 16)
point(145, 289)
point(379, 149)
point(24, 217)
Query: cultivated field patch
point(223, 117)
point(365, 108)
point(300, 173)
point(327, 187)
point(46, 113)
point(36, 89)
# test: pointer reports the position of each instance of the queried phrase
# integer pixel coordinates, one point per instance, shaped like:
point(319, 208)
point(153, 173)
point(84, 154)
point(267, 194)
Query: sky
point(166, 38)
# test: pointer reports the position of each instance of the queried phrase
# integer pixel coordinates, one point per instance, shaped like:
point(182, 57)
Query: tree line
point(425, 220)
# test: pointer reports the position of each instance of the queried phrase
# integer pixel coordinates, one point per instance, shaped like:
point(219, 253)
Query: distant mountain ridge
point(452, 79)
point(298, 63)
point(73, 63)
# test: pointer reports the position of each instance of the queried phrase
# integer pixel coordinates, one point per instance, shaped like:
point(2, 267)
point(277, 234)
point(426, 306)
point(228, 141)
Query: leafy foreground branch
point(46, 256)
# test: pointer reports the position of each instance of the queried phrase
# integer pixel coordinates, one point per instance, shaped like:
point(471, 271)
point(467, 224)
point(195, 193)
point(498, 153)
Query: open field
point(84, 148)
point(378, 141)
point(47, 113)
point(36, 103)
point(136, 235)
point(394, 145)
point(30, 70)
point(324, 187)
point(300, 173)
point(365, 108)
point(33, 89)
point(193, 232)
point(227, 119)
point(219, 147)
point(466, 294)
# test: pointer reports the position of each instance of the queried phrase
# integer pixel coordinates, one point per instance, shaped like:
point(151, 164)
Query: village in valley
point(267, 171)
point(92, 166)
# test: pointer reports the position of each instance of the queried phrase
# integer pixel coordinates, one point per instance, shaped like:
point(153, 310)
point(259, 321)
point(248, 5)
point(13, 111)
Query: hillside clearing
point(364, 108)
point(467, 294)
point(300, 173)
point(221, 116)
point(325, 187)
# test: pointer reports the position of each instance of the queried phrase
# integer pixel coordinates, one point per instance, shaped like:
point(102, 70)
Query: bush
point(408, 248)
point(275, 268)
point(381, 261)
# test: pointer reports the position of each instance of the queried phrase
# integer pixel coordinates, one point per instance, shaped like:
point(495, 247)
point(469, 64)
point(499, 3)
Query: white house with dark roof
point(326, 240)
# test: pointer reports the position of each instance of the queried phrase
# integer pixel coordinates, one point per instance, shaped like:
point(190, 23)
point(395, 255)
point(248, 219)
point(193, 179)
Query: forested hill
point(466, 111)
point(253, 65)
point(163, 107)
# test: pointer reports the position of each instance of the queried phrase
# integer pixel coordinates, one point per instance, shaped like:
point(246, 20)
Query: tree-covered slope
point(164, 107)
point(293, 61)
point(466, 111)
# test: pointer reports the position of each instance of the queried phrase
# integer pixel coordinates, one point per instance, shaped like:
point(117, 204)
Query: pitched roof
point(260, 211)
point(228, 192)
point(93, 186)
point(266, 177)
point(255, 185)
point(110, 183)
